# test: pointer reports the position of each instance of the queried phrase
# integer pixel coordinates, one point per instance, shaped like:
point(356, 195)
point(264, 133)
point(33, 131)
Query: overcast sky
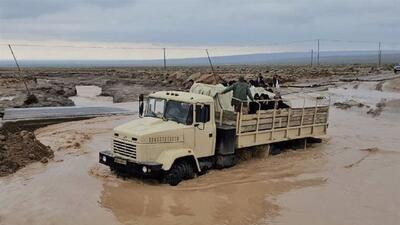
point(198, 22)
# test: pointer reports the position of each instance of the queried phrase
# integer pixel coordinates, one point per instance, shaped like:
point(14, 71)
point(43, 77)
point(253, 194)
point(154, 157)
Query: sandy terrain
point(349, 178)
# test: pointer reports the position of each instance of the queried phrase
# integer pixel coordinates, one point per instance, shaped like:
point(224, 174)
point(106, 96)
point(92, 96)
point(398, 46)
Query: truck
point(179, 135)
point(396, 68)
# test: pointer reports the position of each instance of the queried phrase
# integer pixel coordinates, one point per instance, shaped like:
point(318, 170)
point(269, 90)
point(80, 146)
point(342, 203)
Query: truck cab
point(174, 131)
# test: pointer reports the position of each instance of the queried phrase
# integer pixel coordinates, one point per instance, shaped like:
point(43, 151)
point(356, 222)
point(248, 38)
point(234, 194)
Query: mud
point(20, 148)
point(349, 178)
point(348, 104)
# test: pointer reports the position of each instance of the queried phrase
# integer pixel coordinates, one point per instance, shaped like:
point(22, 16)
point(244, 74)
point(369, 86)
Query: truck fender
point(167, 158)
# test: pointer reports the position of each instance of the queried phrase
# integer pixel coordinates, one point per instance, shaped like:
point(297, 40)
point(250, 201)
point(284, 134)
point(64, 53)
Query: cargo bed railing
point(275, 118)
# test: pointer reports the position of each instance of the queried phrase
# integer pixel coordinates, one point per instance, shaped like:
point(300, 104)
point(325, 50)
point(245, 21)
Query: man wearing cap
point(241, 90)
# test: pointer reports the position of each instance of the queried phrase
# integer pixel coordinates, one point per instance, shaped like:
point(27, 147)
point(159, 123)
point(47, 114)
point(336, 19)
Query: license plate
point(120, 161)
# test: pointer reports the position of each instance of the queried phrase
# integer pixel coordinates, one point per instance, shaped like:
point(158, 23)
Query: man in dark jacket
point(275, 81)
point(260, 81)
point(241, 90)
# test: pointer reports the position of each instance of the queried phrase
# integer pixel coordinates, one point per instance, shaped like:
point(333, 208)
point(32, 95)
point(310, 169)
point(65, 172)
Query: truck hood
point(150, 127)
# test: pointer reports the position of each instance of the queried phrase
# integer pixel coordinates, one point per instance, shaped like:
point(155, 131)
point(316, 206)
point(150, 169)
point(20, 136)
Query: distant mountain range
point(332, 57)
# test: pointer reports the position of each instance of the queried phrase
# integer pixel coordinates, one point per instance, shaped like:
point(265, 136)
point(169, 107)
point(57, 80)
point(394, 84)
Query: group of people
point(259, 82)
point(241, 90)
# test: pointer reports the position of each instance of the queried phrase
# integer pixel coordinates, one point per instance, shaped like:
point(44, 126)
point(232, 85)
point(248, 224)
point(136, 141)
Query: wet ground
point(88, 104)
point(350, 178)
point(56, 86)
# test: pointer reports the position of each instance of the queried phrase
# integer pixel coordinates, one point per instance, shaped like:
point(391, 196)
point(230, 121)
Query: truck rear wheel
point(178, 172)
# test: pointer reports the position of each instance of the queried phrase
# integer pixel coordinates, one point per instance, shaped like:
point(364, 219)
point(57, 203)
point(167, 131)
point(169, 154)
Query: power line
point(348, 41)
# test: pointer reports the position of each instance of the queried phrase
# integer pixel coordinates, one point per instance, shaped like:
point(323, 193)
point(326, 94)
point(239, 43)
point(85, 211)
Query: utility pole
point(312, 57)
point(211, 65)
point(19, 70)
point(379, 55)
point(165, 59)
point(318, 52)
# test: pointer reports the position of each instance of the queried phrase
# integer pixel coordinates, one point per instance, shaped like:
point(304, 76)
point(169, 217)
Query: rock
point(29, 136)
point(44, 160)
point(3, 168)
point(2, 137)
point(348, 104)
point(60, 92)
point(31, 156)
point(23, 133)
point(194, 77)
point(31, 99)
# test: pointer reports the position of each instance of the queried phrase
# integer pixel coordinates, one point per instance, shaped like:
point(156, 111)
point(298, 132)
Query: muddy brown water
point(351, 178)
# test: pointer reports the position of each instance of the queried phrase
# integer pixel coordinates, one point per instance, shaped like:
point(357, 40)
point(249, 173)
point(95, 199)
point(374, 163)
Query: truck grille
point(124, 149)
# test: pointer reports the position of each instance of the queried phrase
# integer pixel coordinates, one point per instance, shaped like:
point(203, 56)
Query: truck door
point(205, 130)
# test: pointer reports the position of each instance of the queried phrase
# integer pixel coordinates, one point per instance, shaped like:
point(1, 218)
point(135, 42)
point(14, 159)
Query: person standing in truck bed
point(241, 90)
point(275, 81)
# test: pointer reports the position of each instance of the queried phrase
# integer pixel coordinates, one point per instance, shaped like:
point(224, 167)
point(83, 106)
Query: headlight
point(144, 169)
point(104, 159)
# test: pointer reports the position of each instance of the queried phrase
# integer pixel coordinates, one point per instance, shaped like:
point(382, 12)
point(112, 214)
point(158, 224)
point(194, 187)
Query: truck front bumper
point(145, 169)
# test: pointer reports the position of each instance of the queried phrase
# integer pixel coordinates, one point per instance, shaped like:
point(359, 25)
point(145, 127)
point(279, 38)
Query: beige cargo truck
point(179, 135)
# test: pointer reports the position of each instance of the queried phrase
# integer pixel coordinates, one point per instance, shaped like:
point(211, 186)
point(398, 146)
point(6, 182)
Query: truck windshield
point(179, 112)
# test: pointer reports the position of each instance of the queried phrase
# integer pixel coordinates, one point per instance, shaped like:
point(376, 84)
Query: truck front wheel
point(178, 172)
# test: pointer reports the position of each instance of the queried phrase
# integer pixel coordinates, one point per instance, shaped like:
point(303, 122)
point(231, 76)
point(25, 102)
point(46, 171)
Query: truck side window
point(206, 109)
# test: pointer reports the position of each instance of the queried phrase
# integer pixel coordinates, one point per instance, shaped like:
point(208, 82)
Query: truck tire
point(188, 171)
point(275, 150)
point(178, 172)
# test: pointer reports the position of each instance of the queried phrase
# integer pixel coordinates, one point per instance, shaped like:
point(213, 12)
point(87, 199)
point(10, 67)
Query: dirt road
point(350, 178)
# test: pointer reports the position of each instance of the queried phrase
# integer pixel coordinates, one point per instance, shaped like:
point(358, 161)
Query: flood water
point(350, 178)
point(90, 96)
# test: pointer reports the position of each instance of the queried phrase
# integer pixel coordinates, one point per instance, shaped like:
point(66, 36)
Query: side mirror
point(141, 105)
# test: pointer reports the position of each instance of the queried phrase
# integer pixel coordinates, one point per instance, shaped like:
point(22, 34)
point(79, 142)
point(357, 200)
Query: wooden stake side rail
point(269, 126)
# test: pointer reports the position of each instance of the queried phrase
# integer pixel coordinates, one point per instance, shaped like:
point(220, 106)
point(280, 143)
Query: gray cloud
point(20, 9)
point(200, 22)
